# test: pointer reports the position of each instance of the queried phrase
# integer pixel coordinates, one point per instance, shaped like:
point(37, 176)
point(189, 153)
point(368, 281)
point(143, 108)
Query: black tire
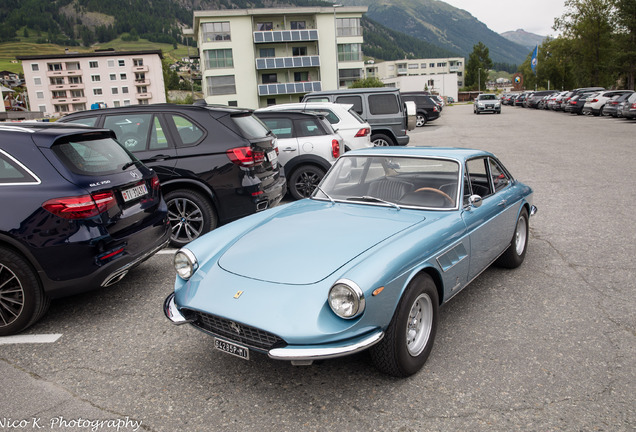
point(420, 120)
point(303, 180)
point(409, 337)
point(516, 252)
point(22, 300)
point(381, 140)
point(191, 215)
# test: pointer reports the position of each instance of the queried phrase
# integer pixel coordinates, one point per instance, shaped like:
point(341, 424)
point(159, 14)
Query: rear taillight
point(335, 149)
point(633, 106)
point(594, 101)
point(154, 182)
point(363, 132)
point(245, 156)
point(81, 207)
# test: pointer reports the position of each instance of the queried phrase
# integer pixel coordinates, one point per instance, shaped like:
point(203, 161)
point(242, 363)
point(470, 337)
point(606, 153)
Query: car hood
point(306, 242)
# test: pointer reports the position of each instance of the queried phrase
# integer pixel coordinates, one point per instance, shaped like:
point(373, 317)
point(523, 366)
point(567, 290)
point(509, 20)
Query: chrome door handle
point(502, 203)
point(289, 149)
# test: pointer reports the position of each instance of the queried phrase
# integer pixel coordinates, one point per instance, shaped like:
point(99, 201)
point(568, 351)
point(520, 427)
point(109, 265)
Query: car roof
point(436, 152)
point(290, 114)
point(305, 105)
point(355, 91)
point(46, 134)
point(197, 106)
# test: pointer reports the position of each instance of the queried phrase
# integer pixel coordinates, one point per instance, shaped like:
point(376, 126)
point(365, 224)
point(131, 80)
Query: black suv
point(80, 212)
point(426, 108)
point(216, 164)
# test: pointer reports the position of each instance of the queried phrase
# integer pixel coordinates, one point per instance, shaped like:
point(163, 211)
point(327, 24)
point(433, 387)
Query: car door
point(283, 128)
point(311, 137)
point(147, 137)
point(490, 224)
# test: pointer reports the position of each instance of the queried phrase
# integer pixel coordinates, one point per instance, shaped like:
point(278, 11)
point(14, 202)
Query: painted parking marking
point(167, 252)
point(30, 339)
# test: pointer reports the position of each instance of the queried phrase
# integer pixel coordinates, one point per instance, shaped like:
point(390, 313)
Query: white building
point(258, 57)
point(61, 84)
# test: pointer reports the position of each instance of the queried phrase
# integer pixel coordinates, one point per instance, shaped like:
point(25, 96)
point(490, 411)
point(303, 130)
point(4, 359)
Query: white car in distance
point(355, 132)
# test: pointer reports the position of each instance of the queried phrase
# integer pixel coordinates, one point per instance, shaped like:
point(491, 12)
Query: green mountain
point(443, 25)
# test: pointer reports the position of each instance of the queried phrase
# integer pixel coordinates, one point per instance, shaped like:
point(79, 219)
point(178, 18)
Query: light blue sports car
point(390, 234)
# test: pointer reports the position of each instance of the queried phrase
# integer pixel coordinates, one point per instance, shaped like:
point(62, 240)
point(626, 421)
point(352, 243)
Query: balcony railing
point(285, 36)
point(289, 88)
point(63, 73)
point(146, 95)
point(142, 68)
point(287, 62)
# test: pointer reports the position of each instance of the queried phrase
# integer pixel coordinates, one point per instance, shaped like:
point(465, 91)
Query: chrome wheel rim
point(419, 121)
point(419, 325)
point(186, 219)
point(520, 235)
point(381, 143)
point(306, 183)
point(11, 296)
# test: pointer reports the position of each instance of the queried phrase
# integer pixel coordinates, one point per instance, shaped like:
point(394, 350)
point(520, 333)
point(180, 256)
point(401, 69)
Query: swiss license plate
point(272, 157)
point(134, 192)
point(232, 348)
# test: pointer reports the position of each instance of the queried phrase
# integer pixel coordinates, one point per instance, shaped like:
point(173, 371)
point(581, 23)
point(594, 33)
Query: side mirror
point(475, 201)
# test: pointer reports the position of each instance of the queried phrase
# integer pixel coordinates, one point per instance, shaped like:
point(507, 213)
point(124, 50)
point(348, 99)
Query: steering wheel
point(437, 191)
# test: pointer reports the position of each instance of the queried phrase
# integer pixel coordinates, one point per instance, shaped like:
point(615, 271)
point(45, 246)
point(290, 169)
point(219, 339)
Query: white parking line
point(167, 252)
point(26, 339)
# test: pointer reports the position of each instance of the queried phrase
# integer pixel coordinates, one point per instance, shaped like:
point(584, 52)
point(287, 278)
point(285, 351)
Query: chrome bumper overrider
point(296, 354)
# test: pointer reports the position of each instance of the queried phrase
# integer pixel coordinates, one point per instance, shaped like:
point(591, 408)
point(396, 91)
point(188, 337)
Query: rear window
point(92, 157)
point(383, 104)
point(250, 126)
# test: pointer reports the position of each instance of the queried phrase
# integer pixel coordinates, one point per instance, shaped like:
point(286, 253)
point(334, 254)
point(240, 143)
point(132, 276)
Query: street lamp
point(479, 80)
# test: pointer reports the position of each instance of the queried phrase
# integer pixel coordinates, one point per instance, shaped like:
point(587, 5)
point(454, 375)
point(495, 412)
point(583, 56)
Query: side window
point(308, 127)
point(383, 104)
point(282, 128)
point(499, 177)
point(317, 99)
point(189, 133)
point(355, 100)
point(478, 176)
point(88, 121)
point(13, 172)
point(132, 130)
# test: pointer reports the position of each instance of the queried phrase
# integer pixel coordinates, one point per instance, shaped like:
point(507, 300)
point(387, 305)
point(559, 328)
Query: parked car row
point(594, 101)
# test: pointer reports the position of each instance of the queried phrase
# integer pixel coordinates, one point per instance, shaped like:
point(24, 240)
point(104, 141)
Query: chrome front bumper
point(298, 355)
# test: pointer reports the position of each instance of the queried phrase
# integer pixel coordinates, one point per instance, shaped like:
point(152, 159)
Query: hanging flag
point(533, 63)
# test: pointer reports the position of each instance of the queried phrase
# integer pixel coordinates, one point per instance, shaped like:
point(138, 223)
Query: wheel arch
point(192, 185)
point(15, 246)
point(308, 159)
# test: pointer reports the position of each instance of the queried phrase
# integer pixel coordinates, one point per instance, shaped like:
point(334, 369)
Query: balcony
point(287, 62)
point(454, 68)
point(142, 82)
point(53, 87)
point(64, 73)
point(289, 88)
point(64, 101)
point(146, 95)
point(272, 36)
point(142, 68)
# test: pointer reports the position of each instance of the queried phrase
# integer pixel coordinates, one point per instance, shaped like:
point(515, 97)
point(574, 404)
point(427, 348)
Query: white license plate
point(232, 348)
point(135, 192)
point(272, 157)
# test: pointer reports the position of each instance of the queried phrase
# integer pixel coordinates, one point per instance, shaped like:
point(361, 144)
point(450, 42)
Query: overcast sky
point(534, 16)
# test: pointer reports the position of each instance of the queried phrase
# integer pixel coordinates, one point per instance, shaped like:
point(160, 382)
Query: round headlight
point(185, 263)
point(346, 299)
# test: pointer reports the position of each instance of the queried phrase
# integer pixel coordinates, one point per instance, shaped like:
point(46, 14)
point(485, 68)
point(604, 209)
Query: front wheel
point(304, 180)
point(22, 300)
point(409, 338)
point(190, 215)
point(516, 252)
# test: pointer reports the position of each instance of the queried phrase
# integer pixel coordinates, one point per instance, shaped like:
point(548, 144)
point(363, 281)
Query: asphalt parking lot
point(550, 346)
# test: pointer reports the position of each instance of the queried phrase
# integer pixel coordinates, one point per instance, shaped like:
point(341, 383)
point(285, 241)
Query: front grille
point(236, 332)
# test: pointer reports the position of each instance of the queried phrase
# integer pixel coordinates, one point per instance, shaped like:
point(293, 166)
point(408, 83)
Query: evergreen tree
point(477, 67)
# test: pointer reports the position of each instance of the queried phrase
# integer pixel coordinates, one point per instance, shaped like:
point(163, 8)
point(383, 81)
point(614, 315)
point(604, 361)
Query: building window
point(431, 65)
point(140, 77)
point(55, 66)
point(59, 94)
point(97, 91)
point(122, 76)
point(79, 107)
point(57, 81)
point(216, 31)
point(301, 76)
point(42, 108)
point(37, 81)
point(350, 52)
point(348, 27)
point(232, 103)
point(299, 51)
point(298, 25)
point(126, 102)
point(269, 78)
point(93, 64)
point(111, 63)
point(77, 93)
point(413, 66)
point(143, 102)
point(61, 108)
point(138, 62)
point(264, 26)
point(142, 89)
point(217, 59)
point(423, 65)
point(121, 63)
point(95, 78)
point(113, 77)
point(267, 52)
point(441, 65)
point(35, 67)
point(39, 95)
point(73, 66)
point(124, 90)
point(75, 80)
point(114, 90)
point(220, 85)
point(116, 103)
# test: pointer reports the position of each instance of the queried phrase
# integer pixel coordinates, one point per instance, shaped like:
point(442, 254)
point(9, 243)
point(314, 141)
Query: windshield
point(389, 180)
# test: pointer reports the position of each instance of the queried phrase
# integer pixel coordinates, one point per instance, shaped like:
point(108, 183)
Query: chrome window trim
point(31, 173)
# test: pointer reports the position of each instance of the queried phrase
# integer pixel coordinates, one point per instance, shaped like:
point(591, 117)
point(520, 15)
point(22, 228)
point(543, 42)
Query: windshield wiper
point(326, 194)
point(370, 198)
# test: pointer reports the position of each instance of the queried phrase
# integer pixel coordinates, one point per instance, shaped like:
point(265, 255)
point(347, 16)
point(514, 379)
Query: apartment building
point(258, 57)
point(417, 67)
point(65, 83)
